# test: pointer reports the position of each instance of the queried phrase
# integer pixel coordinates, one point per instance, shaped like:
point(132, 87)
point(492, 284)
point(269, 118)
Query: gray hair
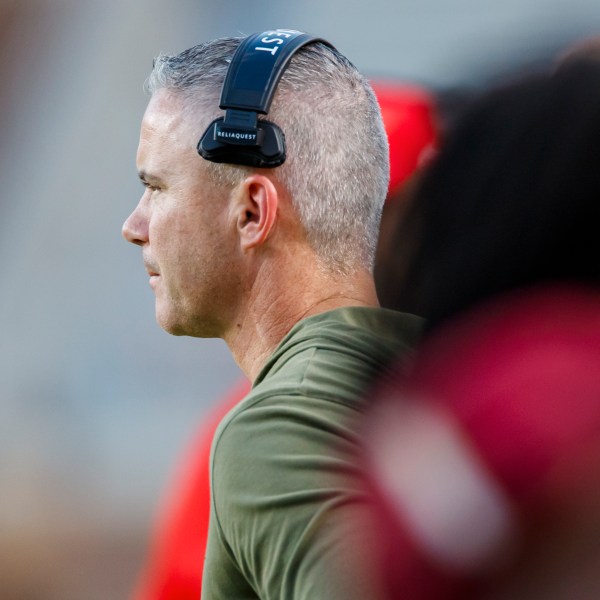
point(337, 165)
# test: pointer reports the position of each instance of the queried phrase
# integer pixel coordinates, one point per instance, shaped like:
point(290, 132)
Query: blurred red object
point(173, 569)
point(409, 117)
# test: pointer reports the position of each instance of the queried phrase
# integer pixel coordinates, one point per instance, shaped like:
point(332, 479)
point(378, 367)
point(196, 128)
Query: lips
point(152, 271)
point(151, 268)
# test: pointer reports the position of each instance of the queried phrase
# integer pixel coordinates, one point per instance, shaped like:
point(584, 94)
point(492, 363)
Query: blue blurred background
point(96, 402)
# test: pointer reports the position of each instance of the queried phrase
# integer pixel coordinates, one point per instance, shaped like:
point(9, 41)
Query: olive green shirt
point(288, 499)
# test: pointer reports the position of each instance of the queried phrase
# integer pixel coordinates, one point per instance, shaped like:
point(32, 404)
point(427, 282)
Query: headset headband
point(249, 86)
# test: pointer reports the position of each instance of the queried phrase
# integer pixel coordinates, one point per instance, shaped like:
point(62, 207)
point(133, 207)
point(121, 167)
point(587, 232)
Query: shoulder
point(312, 388)
point(339, 351)
point(279, 465)
point(274, 431)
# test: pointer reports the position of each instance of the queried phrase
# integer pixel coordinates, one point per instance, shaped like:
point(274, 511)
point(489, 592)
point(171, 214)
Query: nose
point(135, 228)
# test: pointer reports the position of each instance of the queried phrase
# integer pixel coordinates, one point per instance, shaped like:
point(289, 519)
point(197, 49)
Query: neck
point(280, 298)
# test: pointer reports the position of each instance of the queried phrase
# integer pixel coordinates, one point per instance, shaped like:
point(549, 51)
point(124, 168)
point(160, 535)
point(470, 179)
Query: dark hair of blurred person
point(511, 201)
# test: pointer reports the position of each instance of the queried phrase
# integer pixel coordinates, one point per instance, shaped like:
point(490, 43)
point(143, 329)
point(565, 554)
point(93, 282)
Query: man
point(180, 531)
point(278, 262)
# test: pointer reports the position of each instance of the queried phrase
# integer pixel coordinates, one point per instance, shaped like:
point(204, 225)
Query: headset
point(239, 137)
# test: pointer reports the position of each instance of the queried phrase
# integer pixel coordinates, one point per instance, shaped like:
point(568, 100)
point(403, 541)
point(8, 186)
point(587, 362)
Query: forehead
point(169, 132)
point(166, 117)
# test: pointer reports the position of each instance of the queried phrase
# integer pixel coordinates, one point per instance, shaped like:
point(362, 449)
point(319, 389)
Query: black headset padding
point(248, 89)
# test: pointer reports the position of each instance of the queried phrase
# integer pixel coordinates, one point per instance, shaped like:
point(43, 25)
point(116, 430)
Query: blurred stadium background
point(96, 402)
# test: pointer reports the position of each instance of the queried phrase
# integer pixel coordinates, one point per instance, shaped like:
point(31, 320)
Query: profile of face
point(181, 223)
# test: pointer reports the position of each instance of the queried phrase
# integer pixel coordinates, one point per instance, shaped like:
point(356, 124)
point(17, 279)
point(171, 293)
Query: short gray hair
point(337, 166)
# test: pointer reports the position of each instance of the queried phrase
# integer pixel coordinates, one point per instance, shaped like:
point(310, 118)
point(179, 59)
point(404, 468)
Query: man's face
point(181, 223)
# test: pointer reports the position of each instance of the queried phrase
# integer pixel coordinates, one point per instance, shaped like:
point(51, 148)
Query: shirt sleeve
point(290, 518)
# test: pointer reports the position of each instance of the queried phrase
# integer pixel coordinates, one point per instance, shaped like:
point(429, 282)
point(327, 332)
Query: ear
point(256, 210)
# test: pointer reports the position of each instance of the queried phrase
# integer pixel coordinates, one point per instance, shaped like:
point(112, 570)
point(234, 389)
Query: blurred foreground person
point(485, 458)
point(263, 232)
point(173, 570)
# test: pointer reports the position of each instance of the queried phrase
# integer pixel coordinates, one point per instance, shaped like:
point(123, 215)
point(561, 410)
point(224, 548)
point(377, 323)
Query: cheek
point(183, 252)
point(170, 234)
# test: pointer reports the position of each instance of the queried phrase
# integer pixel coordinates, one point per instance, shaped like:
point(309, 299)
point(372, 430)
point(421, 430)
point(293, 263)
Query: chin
point(176, 329)
point(181, 326)
point(169, 322)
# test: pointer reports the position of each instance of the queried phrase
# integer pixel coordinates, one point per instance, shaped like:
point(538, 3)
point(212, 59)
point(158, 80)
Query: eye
point(150, 187)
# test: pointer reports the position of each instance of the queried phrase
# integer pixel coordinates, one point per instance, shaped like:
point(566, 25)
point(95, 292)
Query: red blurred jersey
point(173, 570)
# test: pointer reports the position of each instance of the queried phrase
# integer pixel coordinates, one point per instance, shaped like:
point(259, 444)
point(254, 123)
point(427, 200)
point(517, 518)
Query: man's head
point(334, 179)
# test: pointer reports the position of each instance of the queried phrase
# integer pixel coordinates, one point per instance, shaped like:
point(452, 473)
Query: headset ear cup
point(273, 146)
point(269, 154)
point(248, 89)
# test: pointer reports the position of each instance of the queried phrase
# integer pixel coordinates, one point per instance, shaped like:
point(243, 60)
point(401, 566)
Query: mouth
point(152, 272)
point(154, 277)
